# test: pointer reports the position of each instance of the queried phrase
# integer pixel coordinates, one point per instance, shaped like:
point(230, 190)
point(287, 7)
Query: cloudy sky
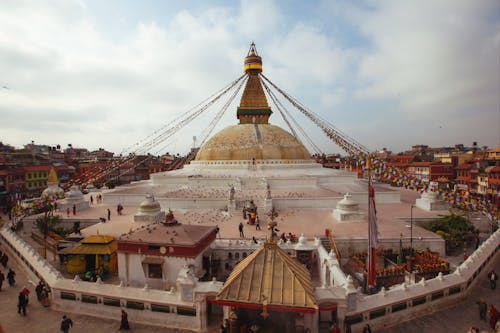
point(111, 73)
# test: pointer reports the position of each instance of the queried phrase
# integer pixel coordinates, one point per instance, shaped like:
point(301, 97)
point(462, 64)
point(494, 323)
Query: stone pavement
point(459, 318)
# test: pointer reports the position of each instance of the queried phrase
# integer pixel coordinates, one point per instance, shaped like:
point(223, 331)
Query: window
point(155, 271)
point(377, 313)
point(437, 295)
point(135, 305)
point(160, 308)
point(89, 299)
point(111, 301)
point(398, 307)
point(70, 296)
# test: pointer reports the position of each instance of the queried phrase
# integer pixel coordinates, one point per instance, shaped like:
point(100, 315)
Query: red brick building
point(494, 184)
point(464, 175)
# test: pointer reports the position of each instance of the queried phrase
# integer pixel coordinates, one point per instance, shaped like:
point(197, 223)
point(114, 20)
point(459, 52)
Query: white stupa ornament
point(347, 210)
point(74, 198)
point(149, 211)
point(430, 201)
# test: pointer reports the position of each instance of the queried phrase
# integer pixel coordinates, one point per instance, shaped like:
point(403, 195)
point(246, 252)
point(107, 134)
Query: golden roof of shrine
point(269, 275)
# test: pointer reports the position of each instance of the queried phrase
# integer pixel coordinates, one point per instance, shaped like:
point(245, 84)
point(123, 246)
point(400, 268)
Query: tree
point(453, 228)
point(45, 224)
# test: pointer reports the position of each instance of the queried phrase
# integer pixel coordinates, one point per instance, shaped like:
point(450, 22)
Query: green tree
point(45, 224)
point(452, 228)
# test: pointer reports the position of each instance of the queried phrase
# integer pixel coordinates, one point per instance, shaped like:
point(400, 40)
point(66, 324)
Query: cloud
point(380, 71)
point(432, 56)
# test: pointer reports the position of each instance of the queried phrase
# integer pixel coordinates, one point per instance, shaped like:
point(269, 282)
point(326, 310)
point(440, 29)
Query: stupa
point(250, 161)
point(149, 211)
point(347, 210)
point(74, 198)
point(53, 191)
point(429, 201)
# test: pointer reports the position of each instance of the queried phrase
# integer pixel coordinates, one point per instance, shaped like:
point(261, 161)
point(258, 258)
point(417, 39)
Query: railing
point(36, 266)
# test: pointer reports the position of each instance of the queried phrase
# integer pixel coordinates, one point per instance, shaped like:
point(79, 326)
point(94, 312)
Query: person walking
point(91, 200)
point(2, 277)
point(67, 212)
point(38, 289)
point(74, 209)
point(493, 277)
point(21, 303)
point(26, 293)
point(11, 277)
point(367, 329)
point(257, 223)
point(240, 228)
point(494, 316)
point(124, 322)
point(483, 308)
point(109, 214)
point(4, 260)
point(66, 324)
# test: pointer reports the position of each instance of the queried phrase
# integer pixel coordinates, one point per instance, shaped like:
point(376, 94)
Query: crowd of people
point(491, 312)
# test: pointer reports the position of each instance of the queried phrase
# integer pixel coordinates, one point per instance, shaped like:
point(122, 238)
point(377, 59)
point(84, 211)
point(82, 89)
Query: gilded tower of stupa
point(253, 138)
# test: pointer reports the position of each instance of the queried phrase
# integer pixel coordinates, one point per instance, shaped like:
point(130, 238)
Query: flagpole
point(370, 256)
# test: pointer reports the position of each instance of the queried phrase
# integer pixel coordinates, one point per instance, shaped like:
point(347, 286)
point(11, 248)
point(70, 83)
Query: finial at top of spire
point(253, 62)
point(253, 50)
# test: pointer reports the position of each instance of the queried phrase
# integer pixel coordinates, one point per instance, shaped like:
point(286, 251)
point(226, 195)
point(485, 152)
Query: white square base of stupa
point(341, 216)
point(80, 205)
point(150, 218)
point(430, 206)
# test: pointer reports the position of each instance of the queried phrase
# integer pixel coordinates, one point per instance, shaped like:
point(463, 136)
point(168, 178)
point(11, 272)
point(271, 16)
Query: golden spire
point(253, 107)
point(52, 179)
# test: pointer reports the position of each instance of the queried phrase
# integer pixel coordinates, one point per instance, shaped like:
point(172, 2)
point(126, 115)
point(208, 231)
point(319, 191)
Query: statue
point(271, 225)
point(169, 218)
point(231, 193)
